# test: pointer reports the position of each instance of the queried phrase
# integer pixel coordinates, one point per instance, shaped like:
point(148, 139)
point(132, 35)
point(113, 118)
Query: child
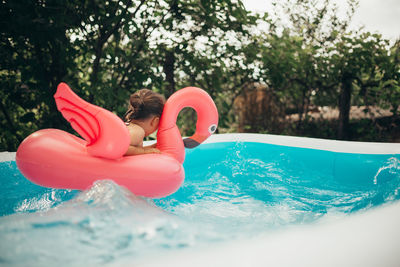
point(142, 119)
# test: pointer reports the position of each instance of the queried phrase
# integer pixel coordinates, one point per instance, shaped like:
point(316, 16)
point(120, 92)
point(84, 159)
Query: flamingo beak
point(198, 138)
point(193, 141)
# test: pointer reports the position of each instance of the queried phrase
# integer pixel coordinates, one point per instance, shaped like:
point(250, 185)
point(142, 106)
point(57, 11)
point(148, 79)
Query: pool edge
point(307, 142)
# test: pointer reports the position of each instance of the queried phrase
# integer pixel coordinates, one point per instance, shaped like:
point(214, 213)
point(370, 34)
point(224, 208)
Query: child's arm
point(136, 146)
point(152, 146)
point(137, 150)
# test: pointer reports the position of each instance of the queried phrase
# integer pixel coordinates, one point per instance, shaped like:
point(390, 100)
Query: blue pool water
point(232, 190)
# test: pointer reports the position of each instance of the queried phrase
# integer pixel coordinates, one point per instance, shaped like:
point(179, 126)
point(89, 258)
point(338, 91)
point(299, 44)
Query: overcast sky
point(382, 16)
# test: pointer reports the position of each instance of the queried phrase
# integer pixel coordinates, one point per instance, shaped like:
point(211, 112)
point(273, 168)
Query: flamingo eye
point(212, 128)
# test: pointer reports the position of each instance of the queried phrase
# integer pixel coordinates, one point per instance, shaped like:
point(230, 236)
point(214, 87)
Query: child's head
point(145, 107)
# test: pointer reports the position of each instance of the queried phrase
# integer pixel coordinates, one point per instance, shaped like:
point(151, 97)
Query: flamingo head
point(169, 140)
point(201, 134)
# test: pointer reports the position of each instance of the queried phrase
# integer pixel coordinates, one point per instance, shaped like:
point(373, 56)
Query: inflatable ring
point(57, 159)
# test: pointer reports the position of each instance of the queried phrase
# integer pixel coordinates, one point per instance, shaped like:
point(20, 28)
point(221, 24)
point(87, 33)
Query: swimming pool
point(264, 197)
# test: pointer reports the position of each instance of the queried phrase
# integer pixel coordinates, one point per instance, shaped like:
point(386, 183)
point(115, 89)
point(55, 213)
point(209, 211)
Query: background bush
point(105, 50)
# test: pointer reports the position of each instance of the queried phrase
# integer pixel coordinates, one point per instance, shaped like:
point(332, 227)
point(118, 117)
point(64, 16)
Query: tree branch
point(103, 38)
point(145, 35)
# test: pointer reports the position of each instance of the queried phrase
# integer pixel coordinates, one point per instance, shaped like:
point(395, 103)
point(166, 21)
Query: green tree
point(314, 59)
point(363, 69)
point(106, 50)
point(36, 55)
point(296, 49)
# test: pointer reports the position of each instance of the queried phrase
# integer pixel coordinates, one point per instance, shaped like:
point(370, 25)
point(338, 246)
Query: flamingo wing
point(106, 134)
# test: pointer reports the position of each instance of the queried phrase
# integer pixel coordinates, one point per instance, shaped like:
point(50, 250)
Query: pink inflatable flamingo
point(54, 158)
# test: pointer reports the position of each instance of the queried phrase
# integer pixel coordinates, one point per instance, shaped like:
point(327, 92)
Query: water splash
point(386, 172)
point(228, 194)
point(104, 223)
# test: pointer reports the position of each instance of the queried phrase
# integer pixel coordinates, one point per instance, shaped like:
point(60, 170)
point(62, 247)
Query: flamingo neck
point(169, 139)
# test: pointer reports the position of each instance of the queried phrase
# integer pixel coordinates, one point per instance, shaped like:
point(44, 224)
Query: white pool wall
point(306, 142)
point(7, 156)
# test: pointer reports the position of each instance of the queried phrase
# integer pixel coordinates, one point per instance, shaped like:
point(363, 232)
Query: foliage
point(315, 60)
point(36, 54)
point(105, 50)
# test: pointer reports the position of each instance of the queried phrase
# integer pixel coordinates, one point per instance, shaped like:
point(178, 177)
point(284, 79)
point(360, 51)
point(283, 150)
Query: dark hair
point(143, 104)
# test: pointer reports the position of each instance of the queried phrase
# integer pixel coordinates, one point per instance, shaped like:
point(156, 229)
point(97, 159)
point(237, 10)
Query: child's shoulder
point(135, 129)
point(136, 134)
